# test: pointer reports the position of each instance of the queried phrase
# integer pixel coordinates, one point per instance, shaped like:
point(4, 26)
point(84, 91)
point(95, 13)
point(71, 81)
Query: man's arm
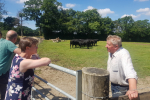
point(130, 75)
point(132, 92)
point(17, 51)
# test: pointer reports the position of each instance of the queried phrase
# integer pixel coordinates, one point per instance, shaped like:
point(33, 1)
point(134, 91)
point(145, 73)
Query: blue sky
point(138, 9)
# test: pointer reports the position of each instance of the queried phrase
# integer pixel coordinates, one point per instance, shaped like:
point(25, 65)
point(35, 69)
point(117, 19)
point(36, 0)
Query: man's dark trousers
point(3, 84)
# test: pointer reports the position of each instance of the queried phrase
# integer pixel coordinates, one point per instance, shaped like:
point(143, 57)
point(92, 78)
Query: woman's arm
point(30, 64)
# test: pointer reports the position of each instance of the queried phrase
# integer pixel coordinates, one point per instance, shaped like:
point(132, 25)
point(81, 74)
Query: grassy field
point(4, 33)
point(77, 58)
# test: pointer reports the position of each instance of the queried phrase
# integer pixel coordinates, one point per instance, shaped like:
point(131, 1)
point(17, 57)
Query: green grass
point(77, 58)
point(140, 54)
point(4, 33)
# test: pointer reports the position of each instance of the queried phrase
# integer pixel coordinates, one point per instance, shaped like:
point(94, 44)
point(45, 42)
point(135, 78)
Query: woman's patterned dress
point(19, 84)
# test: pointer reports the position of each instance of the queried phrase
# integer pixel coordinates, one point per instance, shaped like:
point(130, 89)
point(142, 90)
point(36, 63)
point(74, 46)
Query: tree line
point(15, 23)
point(12, 23)
point(54, 21)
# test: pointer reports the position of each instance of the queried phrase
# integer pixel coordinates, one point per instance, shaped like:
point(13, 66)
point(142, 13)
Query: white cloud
point(148, 13)
point(89, 8)
point(133, 16)
point(9, 13)
point(145, 11)
point(105, 11)
point(33, 6)
point(4, 16)
point(61, 7)
point(30, 25)
point(69, 5)
point(22, 1)
point(102, 12)
point(141, 0)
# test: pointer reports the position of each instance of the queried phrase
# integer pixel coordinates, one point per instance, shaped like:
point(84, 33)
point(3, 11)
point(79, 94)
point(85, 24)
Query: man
point(7, 50)
point(123, 77)
point(0, 34)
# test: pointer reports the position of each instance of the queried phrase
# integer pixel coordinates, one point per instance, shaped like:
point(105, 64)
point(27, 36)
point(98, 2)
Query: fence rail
point(77, 74)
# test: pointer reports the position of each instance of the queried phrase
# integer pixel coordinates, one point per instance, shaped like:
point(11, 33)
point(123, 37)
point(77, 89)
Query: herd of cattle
point(83, 42)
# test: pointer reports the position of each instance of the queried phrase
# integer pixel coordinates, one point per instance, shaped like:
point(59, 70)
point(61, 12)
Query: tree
point(70, 20)
point(106, 27)
point(62, 19)
point(117, 27)
point(32, 11)
point(26, 31)
point(21, 17)
point(94, 26)
point(126, 23)
point(2, 10)
point(141, 30)
point(90, 18)
point(78, 22)
point(1, 25)
point(44, 12)
point(50, 16)
point(10, 22)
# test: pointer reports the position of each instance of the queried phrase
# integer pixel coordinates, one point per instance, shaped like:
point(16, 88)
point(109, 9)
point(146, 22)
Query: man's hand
point(132, 94)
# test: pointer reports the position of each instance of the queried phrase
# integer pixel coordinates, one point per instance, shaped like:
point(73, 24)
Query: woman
point(21, 73)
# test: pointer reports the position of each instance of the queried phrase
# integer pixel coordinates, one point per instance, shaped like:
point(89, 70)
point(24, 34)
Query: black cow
point(81, 42)
point(84, 43)
point(87, 43)
point(95, 41)
point(74, 42)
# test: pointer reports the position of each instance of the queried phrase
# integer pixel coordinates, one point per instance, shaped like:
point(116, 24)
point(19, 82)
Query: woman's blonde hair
point(115, 40)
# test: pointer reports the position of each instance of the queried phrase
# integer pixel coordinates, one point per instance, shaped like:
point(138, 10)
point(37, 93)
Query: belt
point(119, 85)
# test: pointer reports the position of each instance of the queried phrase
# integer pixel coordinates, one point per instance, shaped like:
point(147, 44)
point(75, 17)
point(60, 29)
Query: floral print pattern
point(20, 84)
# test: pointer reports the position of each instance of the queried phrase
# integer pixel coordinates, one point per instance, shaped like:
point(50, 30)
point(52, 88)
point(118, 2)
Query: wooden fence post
point(95, 84)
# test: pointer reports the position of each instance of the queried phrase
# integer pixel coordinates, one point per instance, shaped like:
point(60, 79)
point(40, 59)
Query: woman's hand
point(35, 56)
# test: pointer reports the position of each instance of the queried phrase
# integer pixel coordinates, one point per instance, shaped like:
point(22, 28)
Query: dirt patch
point(64, 81)
point(67, 83)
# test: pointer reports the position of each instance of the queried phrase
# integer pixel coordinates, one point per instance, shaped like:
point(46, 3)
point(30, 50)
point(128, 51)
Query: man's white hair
point(115, 40)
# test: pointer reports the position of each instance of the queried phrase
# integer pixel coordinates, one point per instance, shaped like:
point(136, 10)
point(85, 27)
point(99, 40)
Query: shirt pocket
point(114, 65)
point(115, 69)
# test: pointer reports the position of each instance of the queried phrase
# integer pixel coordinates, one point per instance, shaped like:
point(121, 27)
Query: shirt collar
point(115, 54)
